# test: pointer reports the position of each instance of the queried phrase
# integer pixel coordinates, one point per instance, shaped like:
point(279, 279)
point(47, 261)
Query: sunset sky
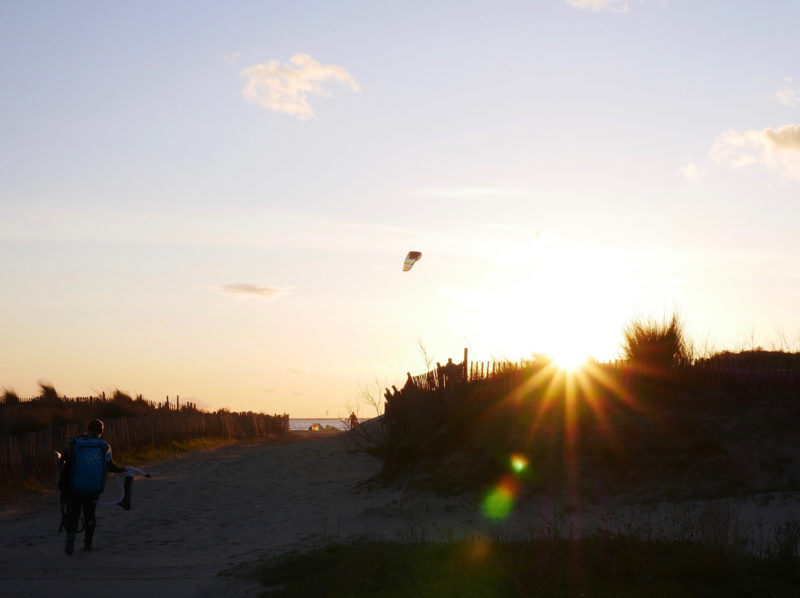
point(215, 199)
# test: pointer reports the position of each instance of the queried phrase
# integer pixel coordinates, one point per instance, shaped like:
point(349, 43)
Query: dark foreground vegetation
point(30, 430)
point(600, 566)
point(660, 420)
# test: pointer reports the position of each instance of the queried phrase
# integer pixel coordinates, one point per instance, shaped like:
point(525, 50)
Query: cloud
point(468, 193)
point(787, 137)
point(776, 149)
point(493, 194)
point(788, 96)
point(251, 289)
point(600, 5)
point(284, 88)
point(691, 172)
point(232, 58)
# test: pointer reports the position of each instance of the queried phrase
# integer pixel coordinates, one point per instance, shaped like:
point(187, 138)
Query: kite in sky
point(411, 259)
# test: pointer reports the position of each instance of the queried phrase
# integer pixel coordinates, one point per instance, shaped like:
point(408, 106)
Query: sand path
point(207, 511)
point(198, 515)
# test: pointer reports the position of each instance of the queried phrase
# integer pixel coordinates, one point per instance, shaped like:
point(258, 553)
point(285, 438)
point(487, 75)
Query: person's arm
point(66, 451)
point(111, 466)
point(64, 466)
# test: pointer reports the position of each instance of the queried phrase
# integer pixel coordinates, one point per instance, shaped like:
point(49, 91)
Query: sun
point(569, 358)
point(566, 306)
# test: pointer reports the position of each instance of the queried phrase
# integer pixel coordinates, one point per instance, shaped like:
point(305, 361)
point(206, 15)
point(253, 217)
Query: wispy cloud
point(477, 193)
point(776, 149)
point(251, 289)
point(492, 193)
point(233, 58)
point(284, 88)
point(691, 172)
point(601, 5)
point(788, 96)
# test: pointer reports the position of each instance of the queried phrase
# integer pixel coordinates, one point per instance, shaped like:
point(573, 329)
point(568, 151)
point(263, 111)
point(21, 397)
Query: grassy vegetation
point(48, 409)
point(598, 566)
point(715, 426)
point(653, 346)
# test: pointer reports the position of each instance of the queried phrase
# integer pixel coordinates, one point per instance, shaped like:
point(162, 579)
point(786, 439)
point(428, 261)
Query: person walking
point(83, 466)
point(352, 420)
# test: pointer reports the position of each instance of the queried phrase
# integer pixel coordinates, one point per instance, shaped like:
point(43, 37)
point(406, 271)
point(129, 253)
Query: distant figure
point(353, 420)
point(83, 465)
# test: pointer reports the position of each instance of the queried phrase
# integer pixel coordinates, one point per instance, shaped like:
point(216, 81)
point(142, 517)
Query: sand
point(208, 511)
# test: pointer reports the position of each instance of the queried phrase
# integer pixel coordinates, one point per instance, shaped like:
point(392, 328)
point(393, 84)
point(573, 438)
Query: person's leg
point(89, 505)
point(71, 521)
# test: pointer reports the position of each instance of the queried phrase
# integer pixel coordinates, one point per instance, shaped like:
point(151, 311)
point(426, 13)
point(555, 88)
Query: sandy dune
point(207, 511)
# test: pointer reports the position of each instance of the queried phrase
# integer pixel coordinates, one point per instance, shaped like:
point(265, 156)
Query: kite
point(411, 259)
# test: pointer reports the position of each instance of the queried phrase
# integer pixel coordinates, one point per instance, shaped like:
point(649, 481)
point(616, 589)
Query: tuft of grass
point(653, 346)
point(9, 397)
point(601, 565)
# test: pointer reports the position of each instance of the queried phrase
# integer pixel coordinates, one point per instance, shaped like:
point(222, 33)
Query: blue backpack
point(89, 458)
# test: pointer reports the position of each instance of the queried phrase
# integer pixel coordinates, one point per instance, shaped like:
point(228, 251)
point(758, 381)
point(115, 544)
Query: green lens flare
point(497, 504)
point(518, 463)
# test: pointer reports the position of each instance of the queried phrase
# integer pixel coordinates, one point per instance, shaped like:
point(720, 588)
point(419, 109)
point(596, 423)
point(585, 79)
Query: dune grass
point(652, 346)
point(659, 415)
point(598, 566)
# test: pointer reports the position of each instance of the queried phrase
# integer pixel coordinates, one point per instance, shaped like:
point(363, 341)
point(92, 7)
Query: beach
point(206, 512)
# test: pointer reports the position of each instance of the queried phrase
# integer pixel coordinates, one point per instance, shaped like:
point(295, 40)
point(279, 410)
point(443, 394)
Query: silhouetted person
point(83, 466)
point(353, 420)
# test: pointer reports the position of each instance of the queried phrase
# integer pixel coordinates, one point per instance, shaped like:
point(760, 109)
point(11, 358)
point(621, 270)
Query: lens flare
point(519, 463)
point(497, 504)
point(478, 550)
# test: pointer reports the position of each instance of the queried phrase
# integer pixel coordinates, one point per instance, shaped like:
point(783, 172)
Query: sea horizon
point(302, 423)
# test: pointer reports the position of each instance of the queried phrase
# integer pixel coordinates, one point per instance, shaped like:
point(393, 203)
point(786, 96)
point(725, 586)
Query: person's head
point(95, 427)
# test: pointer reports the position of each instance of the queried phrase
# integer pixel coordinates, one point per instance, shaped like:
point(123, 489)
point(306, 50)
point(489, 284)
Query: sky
point(214, 200)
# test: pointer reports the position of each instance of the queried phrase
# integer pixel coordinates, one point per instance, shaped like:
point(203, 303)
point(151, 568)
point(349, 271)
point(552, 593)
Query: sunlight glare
point(569, 359)
point(567, 306)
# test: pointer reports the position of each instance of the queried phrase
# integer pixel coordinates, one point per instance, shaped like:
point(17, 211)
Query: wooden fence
point(101, 399)
point(23, 454)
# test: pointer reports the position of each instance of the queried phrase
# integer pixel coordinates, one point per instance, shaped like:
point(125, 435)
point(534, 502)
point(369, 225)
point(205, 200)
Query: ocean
point(303, 424)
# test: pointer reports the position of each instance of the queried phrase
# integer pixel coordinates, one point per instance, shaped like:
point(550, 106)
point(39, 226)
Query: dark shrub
point(653, 346)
